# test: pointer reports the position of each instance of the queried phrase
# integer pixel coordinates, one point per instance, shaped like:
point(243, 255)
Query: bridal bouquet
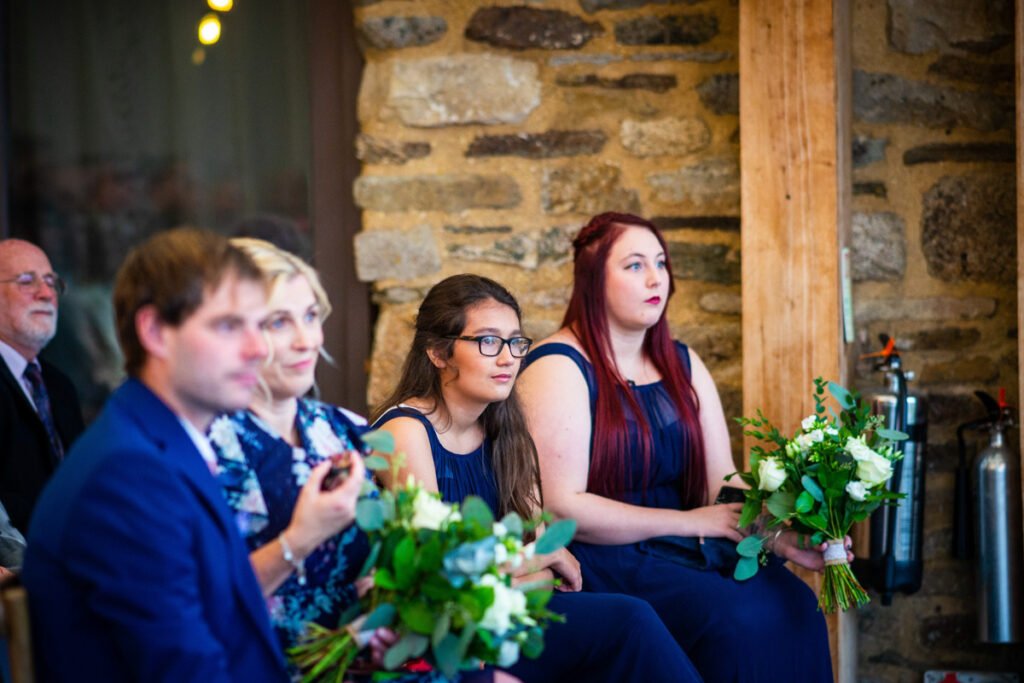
point(441, 582)
point(830, 475)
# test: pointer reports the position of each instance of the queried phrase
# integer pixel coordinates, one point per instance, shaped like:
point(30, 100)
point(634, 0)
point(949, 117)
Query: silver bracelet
point(299, 566)
point(775, 537)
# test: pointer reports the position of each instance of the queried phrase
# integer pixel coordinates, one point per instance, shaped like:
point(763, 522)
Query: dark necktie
point(34, 375)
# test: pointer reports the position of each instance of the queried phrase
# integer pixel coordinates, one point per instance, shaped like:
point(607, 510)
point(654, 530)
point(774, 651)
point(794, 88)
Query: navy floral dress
point(261, 475)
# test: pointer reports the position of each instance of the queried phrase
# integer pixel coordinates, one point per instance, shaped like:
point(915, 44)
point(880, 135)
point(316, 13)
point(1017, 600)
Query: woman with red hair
point(633, 444)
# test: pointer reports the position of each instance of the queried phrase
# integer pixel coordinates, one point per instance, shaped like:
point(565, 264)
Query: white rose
point(770, 474)
point(808, 422)
point(803, 442)
point(430, 512)
point(499, 530)
point(857, 490)
point(856, 447)
point(831, 431)
point(817, 436)
point(874, 470)
point(500, 554)
point(508, 603)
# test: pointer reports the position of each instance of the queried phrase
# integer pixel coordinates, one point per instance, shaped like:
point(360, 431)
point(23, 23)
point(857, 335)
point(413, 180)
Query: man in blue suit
point(134, 568)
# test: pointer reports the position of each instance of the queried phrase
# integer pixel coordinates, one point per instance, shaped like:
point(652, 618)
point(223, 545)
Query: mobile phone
point(730, 494)
point(341, 467)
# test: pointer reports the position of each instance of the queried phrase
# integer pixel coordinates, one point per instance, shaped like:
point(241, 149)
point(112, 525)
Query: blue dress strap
point(406, 411)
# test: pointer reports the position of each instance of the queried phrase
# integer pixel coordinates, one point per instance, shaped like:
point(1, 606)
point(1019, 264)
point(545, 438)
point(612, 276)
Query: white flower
point(874, 470)
point(500, 553)
point(508, 654)
point(508, 603)
point(529, 550)
point(770, 474)
point(803, 442)
point(857, 490)
point(831, 431)
point(817, 436)
point(430, 512)
point(499, 530)
point(808, 422)
point(856, 447)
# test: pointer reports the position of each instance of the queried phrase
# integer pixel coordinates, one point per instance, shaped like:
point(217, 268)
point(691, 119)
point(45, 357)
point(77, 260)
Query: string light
point(221, 5)
point(209, 29)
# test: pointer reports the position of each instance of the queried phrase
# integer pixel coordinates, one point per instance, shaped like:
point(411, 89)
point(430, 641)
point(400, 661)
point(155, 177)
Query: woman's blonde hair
point(279, 266)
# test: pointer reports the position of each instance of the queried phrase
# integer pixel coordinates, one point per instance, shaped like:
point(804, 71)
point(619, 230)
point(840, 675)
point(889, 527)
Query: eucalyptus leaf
point(812, 488)
point(475, 510)
point(384, 615)
point(446, 654)
point(408, 646)
point(556, 537)
point(371, 559)
point(750, 546)
point(891, 434)
point(370, 514)
point(745, 568)
point(375, 463)
point(513, 523)
point(380, 441)
point(781, 504)
point(441, 628)
point(842, 396)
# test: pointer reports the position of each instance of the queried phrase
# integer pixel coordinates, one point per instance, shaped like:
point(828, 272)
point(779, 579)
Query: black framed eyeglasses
point(32, 281)
point(491, 344)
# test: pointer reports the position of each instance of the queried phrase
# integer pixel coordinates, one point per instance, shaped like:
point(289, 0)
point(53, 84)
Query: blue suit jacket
point(135, 570)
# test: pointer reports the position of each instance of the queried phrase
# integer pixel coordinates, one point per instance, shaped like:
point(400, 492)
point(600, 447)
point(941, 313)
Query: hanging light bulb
point(209, 29)
point(221, 5)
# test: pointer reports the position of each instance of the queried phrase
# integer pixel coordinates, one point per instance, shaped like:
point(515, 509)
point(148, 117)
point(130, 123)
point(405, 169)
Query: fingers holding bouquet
point(797, 548)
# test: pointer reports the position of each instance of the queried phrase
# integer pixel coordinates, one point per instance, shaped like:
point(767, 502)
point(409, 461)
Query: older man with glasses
point(39, 410)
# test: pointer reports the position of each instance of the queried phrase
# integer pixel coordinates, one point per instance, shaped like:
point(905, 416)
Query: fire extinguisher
point(996, 510)
point(894, 561)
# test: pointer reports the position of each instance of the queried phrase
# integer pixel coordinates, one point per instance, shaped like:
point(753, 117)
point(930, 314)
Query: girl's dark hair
point(587, 317)
point(513, 454)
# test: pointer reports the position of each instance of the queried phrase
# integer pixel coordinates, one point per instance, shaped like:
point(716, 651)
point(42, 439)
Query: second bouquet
point(830, 475)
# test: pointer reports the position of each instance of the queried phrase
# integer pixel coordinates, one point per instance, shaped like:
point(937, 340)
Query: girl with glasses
point(633, 444)
point(456, 418)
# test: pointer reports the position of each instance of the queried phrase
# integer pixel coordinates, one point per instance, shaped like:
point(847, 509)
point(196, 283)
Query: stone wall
point(492, 131)
point(935, 265)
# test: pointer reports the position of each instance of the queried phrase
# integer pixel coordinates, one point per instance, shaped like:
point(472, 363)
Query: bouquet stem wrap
point(839, 587)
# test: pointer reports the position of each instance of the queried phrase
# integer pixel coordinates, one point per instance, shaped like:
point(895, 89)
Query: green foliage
point(557, 536)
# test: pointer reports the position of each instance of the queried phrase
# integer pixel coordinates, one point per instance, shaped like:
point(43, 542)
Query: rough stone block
point(396, 254)
point(727, 223)
point(727, 303)
point(524, 28)
point(937, 308)
point(878, 243)
point(975, 371)
point(591, 6)
point(871, 188)
point(665, 137)
point(868, 150)
point(588, 189)
point(716, 344)
point(969, 227)
point(920, 26)
point(654, 82)
point(721, 94)
point(886, 98)
point(374, 150)
point(546, 145)
point(938, 339)
point(671, 29)
point(389, 33)
point(463, 89)
point(443, 192)
point(968, 70)
point(962, 152)
point(517, 250)
point(711, 184)
point(718, 263)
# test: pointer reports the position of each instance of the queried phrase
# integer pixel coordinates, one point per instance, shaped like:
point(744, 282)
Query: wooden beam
point(795, 185)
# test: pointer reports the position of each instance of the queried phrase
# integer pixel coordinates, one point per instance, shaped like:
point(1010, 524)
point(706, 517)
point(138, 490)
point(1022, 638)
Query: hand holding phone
point(341, 468)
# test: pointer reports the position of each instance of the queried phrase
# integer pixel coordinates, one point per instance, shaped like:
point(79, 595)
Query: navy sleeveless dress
point(613, 638)
point(765, 629)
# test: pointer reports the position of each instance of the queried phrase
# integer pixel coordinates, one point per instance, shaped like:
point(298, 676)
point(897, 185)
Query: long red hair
point(587, 317)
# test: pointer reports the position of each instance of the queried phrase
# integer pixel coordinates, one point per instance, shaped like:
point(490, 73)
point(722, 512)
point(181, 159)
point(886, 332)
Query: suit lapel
point(161, 425)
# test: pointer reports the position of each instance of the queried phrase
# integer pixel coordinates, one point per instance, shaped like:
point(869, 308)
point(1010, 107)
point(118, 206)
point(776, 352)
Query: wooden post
point(795, 184)
point(1019, 50)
